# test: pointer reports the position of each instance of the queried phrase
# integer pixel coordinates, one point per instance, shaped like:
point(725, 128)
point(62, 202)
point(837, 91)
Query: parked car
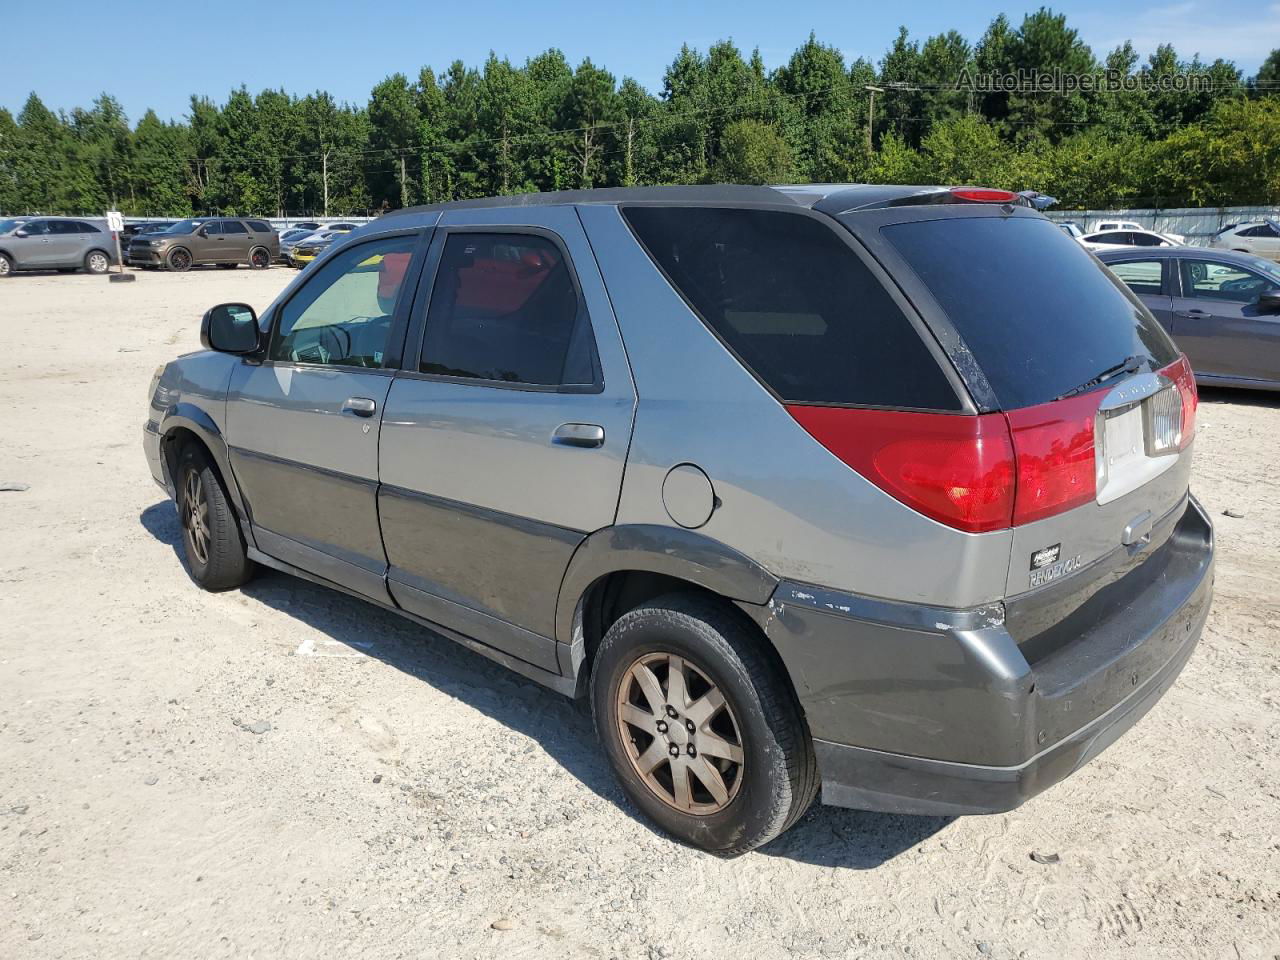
point(55, 243)
point(224, 241)
point(778, 478)
point(1108, 239)
point(1222, 308)
point(1260, 238)
point(1070, 228)
point(309, 225)
point(1104, 225)
point(138, 229)
point(301, 252)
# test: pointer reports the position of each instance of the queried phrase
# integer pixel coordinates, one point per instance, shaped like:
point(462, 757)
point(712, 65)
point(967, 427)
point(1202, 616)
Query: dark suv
point(224, 241)
point(883, 489)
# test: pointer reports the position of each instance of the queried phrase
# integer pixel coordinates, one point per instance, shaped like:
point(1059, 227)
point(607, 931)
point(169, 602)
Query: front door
point(504, 441)
point(1218, 324)
point(38, 247)
point(303, 424)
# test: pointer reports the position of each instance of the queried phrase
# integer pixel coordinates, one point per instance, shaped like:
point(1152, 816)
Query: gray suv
point(224, 241)
point(55, 243)
point(878, 490)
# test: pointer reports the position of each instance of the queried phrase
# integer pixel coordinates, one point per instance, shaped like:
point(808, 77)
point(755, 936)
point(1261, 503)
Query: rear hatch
point(1098, 401)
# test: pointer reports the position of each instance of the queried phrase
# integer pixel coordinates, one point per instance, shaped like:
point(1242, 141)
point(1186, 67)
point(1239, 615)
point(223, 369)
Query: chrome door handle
point(1193, 314)
point(360, 406)
point(579, 435)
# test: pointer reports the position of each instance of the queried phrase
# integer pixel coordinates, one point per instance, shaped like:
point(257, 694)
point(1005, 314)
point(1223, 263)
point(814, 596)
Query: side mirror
point(21, 233)
point(230, 328)
point(1269, 302)
point(203, 231)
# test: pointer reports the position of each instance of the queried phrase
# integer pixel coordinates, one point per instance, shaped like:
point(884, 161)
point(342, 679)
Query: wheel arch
point(186, 423)
point(618, 568)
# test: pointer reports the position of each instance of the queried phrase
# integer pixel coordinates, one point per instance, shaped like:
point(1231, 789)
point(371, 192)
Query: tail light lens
point(1054, 446)
point(1180, 373)
point(984, 195)
point(973, 473)
point(959, 470)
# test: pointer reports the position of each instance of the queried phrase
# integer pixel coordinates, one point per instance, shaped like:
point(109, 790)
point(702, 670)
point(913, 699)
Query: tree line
point(720, 117)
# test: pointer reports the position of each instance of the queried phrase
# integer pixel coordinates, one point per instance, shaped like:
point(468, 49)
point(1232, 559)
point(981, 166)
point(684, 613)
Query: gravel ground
point(283, 771)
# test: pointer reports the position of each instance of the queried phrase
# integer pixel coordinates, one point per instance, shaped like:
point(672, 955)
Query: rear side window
point(504, 307)
point(796, 305)
point(259, 226)
point(1140, 276)
point(233, 226)
point(1038, 313)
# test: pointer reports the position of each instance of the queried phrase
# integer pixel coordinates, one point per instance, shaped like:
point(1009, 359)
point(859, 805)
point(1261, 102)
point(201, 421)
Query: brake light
point(976, 474)
point(1054, 447)
point(957, 469)
point(1180, 373)
point(984, 195)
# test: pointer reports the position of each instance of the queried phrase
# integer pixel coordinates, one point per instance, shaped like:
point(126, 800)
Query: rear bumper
point(946, 712)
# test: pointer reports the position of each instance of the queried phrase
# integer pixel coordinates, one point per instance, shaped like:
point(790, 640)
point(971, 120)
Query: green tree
point(753, 152)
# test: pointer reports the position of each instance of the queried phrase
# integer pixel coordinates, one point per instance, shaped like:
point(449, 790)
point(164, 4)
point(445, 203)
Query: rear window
point(797, 306)
point(259, 226)
point(1039, 314)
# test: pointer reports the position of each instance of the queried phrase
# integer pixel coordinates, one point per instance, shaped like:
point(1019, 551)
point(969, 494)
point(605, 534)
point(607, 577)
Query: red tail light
point(984, 195)
point(972, 473)
point(1180, 373)
point(956, 469)
point(1054, 445)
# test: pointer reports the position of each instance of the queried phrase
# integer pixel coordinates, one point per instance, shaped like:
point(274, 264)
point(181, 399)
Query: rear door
point(63, 244)
point(505, 438)
point(303, 421)
point(235, 242)
point(1150, 280)
point(1218, 323)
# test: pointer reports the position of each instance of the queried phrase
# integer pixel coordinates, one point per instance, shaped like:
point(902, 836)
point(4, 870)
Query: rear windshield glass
point(786, 294)
point(1039, 314)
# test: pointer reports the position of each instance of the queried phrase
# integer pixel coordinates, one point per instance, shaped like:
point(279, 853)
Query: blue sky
point(159, 59)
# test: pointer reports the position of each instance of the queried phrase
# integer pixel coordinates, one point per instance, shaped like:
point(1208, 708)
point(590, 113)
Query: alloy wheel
point(98, 263)
point(195, 516)
point(4, 266)
point(680, 733)
point(260, 258)
point(180, 260)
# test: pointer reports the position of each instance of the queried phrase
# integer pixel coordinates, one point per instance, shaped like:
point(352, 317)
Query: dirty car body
point(966, 549)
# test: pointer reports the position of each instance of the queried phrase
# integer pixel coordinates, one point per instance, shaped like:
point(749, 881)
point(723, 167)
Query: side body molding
point(653, 548)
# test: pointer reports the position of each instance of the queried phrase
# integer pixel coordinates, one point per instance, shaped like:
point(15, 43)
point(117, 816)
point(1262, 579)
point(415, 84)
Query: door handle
point(579, 435)
point(1192, 314)
point(360, 406)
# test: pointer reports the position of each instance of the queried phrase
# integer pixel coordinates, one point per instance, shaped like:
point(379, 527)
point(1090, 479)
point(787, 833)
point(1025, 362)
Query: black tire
point(179, 260)
point(778, 778)
point(96, 261)
point(211, 536)
point(6, 265)
point(259, 258)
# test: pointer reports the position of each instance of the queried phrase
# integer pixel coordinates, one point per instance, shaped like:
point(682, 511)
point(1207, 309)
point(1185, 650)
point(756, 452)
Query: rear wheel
point(179, 260)
point(702, 731)
point(260, 258)
point(211, 534)
point(6, 266)
point(97, 262)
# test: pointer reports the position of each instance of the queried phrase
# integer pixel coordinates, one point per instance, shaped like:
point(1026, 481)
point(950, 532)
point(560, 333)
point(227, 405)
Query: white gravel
point(283, 771)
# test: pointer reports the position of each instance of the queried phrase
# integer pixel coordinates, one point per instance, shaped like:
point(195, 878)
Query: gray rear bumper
point(928, 711)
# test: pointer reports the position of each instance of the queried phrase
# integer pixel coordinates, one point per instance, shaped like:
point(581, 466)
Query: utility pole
point(871, 112)
point(324, 176)
point(404, 185)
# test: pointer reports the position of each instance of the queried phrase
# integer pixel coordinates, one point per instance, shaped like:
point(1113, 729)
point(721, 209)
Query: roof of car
point(827, 197)
point(1177, 253)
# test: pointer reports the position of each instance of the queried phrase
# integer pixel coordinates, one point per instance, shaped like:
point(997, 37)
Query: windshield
point(183, 226)
point(8, 225)
point(1039, 314)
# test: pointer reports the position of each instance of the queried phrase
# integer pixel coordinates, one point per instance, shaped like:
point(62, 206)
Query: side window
point(1141, 276)
point(1144, 240)
point(36, 228)
point(212, 228)
point(1205, 280)
point(233, 226)
point(504, 307)
point(259, 226)
point(796, 305)
point(342, 315)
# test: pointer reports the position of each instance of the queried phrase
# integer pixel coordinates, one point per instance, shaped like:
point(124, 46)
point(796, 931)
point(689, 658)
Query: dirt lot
point(409, 795)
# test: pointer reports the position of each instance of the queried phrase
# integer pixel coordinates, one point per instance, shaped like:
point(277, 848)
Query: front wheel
point(211, 534)
point(6, 266)
point(703, 732)
point(179, 261)
point(97, 262)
